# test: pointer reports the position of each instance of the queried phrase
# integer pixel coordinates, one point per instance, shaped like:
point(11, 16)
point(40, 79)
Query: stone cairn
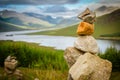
point(10, 67)
point(82, 60)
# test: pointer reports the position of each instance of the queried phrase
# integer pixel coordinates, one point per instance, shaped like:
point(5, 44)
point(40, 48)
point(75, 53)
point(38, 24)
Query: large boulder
point(91, 67)
point(86, 44)
point(71, 55)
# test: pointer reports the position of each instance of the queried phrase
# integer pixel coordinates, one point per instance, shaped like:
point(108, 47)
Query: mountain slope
point(45, 17)
point(58, 21)
point(9, 27)
point(14, 17)
point(107, 24)
point(105, 10)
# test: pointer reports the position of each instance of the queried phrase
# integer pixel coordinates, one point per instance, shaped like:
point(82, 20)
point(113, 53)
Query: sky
point(55, 8)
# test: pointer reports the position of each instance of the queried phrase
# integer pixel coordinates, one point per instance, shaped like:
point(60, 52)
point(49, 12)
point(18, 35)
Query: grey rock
point(86, 44)
point(71, 54)
point(91, 67)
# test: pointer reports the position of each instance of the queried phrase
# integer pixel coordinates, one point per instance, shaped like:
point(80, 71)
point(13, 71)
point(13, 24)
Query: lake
point(58, 42)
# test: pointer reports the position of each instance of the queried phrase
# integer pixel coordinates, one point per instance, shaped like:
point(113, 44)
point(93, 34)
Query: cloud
point(36, 2)
point(56, 9)
point(109, 1)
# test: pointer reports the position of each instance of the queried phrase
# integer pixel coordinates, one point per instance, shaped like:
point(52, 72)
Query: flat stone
point(86, 44)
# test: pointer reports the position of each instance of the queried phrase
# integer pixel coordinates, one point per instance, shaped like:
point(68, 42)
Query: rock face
point(86, 44)
point(90, 67)
point(71, 54)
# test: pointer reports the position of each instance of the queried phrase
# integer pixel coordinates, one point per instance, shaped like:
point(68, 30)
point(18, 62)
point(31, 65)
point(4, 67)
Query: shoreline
point(109, 38)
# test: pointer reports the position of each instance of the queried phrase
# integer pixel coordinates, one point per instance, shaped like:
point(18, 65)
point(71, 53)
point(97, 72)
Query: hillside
point(102, 10)
point(9, 27)
point(48, 18)
point(106, 24)
point(22, 19)
point(58, 21)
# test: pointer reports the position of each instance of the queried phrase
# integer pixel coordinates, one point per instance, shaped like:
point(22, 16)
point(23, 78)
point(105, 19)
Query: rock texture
point(90, 67)
point(86, 44)
point(71, 55)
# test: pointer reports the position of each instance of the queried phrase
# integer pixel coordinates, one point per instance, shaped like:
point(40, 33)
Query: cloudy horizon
point(54, 8)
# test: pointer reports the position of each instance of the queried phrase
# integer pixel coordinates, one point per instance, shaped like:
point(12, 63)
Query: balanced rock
point(86, 44)
point(71, 55)
point(91, 67)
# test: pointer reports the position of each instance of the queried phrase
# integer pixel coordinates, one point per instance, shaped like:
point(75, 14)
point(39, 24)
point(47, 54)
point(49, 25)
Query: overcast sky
point(55, 8)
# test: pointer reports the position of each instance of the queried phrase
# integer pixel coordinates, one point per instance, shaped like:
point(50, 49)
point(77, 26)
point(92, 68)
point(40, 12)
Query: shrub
point(113, 55)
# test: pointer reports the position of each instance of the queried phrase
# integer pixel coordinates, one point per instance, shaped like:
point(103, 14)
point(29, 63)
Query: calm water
point(58, 42)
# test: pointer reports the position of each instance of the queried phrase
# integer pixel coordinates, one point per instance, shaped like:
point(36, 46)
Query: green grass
point(100, 29)
point(113, 55)
point(35, 61)
point(33, 56)
point(31, 74)
point(69, 31)
point(40, 62)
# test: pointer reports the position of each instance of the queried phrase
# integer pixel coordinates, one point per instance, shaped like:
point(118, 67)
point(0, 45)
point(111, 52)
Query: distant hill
point(68, 22)
point(45, 17)
point(22, 19)
point(58, 21)
point(102, 10)
point(106, 24)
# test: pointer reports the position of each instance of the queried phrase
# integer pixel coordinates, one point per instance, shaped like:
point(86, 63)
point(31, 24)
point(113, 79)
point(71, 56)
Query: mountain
point(45, 17)
point(4, 26)
point(68, 21)
point(106, 24)
point(105, 10)
point(23, 20)
point(58, 21)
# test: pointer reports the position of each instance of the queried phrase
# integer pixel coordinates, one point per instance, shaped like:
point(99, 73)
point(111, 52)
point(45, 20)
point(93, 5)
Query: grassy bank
point(45, 63)
point(68, 31)
point(35, 61)
point(32, 55)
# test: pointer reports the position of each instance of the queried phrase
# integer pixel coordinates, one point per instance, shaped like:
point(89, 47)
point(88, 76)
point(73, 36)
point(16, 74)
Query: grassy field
point(31, 74)
point(104, 25)
point(40, 62)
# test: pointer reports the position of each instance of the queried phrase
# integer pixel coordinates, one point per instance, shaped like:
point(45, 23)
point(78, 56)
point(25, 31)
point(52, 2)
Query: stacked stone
point(82, 60)
point(11, 70)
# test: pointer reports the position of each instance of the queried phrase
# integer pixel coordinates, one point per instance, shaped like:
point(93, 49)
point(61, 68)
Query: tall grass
point(33, 56)
point(46, 63)
point(113, 55)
